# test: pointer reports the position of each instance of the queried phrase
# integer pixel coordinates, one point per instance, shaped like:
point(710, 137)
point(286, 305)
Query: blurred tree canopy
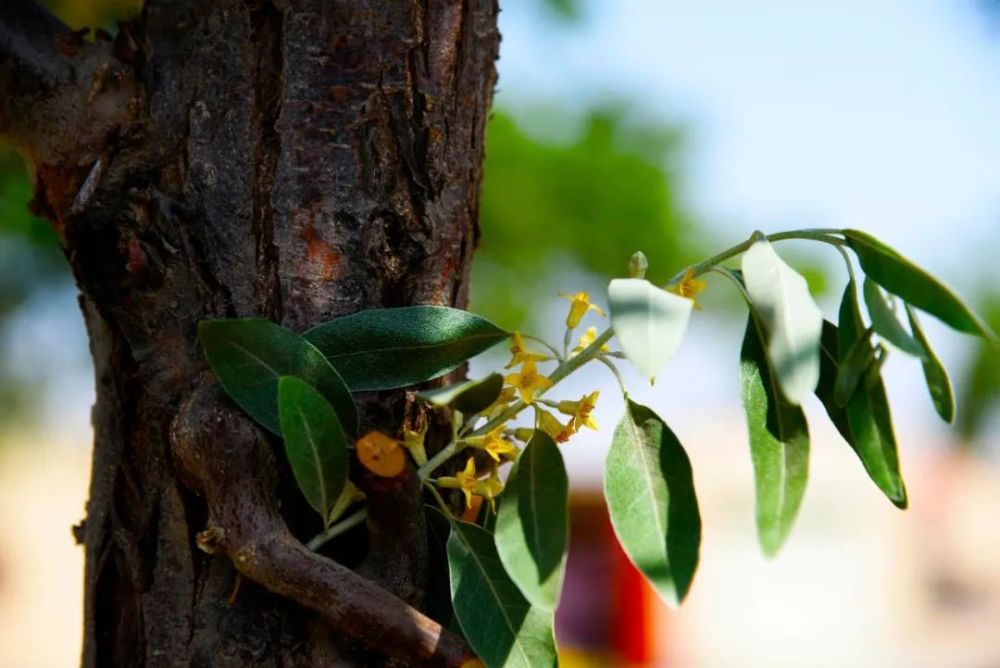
point(589, 201)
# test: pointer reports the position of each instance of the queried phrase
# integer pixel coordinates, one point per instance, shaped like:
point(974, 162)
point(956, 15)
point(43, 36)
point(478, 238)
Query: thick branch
point(62, 100)
point(225, 458)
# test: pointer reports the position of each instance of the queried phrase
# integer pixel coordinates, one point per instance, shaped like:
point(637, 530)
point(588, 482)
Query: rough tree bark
point(291, 159)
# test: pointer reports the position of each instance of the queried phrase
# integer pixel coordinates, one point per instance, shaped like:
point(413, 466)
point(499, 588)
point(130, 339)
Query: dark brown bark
point(292, 160)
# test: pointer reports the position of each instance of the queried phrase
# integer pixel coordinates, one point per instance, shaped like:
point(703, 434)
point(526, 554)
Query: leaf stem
point(826, 235)
point(319, 540)
point(552, 349)
point(440, 500)
point(614, 370)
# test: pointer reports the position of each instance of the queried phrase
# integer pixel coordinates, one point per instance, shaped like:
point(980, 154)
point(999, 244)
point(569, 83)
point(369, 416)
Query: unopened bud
point(637, 265)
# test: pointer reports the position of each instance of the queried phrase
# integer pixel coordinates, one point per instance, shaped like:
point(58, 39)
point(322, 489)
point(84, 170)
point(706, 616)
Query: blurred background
point(678, 129)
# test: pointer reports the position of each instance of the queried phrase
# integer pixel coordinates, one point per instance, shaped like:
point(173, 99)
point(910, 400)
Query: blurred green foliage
point(586, 202)
point(979, 385)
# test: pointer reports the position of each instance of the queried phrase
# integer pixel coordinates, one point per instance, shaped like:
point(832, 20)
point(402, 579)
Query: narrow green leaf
point(779, 443)
point(829, 353)
point(935, 374)
point(852, 367)
point(314, 443)
point(901, 277)
point(780, 296)
point(249, 355)
point(502, 628)
point(885, 323)
point(382, 349)
point(868, 412)
point(650, 494)
point(468, 397)
point(649, 322)
point(532, 529)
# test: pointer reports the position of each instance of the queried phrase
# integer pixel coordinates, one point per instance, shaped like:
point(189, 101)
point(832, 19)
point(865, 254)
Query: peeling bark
point(295, 160)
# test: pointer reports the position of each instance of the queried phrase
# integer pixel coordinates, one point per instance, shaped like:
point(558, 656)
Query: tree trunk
point(296, 160)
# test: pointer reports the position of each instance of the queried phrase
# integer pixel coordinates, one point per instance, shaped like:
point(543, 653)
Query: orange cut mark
point(380, 454)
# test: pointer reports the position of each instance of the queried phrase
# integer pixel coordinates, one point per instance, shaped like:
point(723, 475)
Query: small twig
point(344, 525)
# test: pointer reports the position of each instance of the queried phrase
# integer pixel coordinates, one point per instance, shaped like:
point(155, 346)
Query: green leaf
point(858, 358)
point(779, 443)
point(780, 296)
point(901, 277)
point(649, 322)
point(249, 355)
point(532, 529)
point(501, 626)
point(468, 397)
point(650, 494)
point(829, 353)
point(382, 349)
point(314, 443)
point(868, 412)
point(935, 374)
point(885, 323)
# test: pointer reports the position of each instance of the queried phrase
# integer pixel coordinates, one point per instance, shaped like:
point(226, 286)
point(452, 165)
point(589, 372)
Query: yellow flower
point(490, 489)
point(689, 287)
point(494, 444)
point(520, 353)
point(529, 382)
point(580, 410)
point(578, 307)
point(588, 337)
point(464, 480)
point(559, 432)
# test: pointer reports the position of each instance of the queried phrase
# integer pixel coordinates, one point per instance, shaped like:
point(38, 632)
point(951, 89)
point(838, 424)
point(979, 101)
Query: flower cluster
point(523, 388)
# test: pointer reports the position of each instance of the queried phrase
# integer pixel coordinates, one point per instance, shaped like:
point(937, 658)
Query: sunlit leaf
point(868, 411)
point(532, 528)
point(649, 322)
point(502, 628)
point(938, 382)
point(469, 397)
point(779, 443)
point(780, 296)
point(314, 443)
point(650, 494)
point(382, 349)
point(885, 323)
point(249, 355)
point(901, 277)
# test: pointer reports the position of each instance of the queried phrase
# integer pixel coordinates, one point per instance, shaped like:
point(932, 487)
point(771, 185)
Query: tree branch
point(63, 100)
point(30, 57)
point(223, 457)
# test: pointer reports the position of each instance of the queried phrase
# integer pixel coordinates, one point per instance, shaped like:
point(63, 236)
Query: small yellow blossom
point(490, 489)
point(464, 480)
point(559, 432)
point(578, 307)
point(529, 382)
point(520, 353)
point(580, 411)
point(588, 337)
point(495, 445)
point(689, 287)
